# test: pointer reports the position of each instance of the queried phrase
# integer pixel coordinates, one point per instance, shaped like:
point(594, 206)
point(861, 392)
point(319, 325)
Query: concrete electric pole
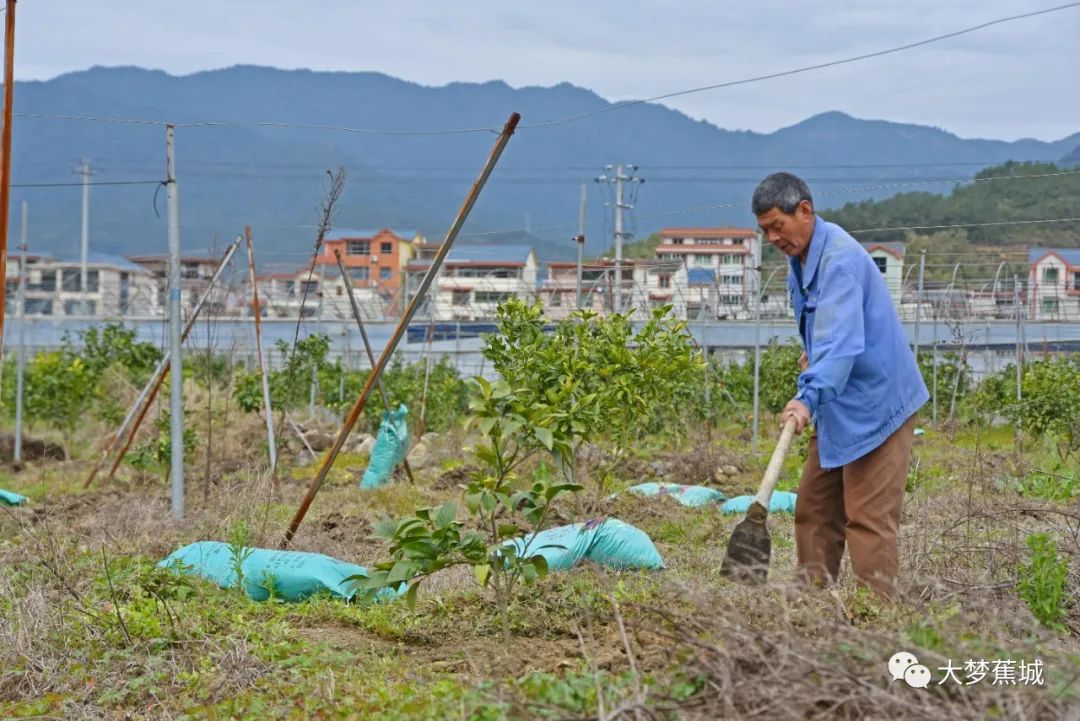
point(84, 248)
point(619, 180)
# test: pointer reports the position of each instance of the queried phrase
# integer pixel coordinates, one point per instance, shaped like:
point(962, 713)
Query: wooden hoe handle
point(772, 473)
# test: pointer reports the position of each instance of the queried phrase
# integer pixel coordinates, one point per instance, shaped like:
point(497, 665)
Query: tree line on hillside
point(1000, 194)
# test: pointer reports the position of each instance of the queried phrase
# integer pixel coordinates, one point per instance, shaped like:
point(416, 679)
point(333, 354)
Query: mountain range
point(234, 171)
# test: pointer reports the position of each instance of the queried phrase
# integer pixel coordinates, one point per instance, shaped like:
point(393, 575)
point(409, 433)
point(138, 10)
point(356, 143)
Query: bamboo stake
point(258, 349)
point(399, 331)
point(367, 344)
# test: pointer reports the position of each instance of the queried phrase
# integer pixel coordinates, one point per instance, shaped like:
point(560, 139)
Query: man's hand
point(804, 361)
point(797, 410)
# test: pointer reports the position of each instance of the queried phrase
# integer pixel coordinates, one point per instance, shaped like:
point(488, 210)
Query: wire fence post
point(934, 360)
point(754, 439)
point(1019, 355)
point(20, 363)
point(580, 244)
point(176, 385)
point(918, 302)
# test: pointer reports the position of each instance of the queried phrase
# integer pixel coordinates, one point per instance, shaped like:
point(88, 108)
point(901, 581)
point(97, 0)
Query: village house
point(374, 260)
point(115, 288)
point(1053, 291)
point(723, 263)
point(474, 279)
point(195, 274)
point(889, 258)
point(647, 284)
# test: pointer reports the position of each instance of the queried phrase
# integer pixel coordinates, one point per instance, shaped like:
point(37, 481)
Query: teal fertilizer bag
point(781, 501)
point(391, 446)
point(693, 496)
point(292, 575)
point(606, 541)
point(620, 545)
point(11, 498)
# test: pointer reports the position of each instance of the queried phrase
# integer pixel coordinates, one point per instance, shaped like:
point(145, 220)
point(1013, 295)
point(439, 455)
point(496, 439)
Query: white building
point(647, 284)
point(115, 287)
point(720, 262)
point(474, 279)
point(1054, 283)
point(889, 258)
point(558, 293)
point(195, 274)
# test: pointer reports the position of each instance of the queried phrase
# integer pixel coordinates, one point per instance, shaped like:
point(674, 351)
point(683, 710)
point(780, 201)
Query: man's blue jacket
point(862, 383)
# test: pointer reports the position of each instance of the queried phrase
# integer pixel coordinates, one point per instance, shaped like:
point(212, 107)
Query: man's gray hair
point(780, 190)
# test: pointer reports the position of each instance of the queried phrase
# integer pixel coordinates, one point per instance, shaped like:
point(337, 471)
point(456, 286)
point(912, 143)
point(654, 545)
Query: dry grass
point(777, 652)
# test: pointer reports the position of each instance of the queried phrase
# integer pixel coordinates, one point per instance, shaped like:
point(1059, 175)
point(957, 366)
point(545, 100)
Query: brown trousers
point(858, 503)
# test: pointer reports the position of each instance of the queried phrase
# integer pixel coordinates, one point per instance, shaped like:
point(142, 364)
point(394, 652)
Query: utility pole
point(20, 309)
point(620, 179)
point(580, 243)
point(176, 372)
point(85, 172)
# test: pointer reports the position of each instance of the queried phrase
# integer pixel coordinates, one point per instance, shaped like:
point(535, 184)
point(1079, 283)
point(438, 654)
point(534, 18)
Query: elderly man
point(860, 387)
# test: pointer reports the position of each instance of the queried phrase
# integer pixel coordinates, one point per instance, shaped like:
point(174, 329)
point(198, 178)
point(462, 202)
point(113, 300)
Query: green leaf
point(420, 549)
point(544, 436)
point(410, 595)
point(384, 528)
point(482, 573)
point(540, 564)
point(552, 491)
point(447, 514)
point(402, 571)
point(485, 424)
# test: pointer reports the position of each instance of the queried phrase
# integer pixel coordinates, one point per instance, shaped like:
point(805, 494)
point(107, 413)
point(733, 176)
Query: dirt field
point(89, 628)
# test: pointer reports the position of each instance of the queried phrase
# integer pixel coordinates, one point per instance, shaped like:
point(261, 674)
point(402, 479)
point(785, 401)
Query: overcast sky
point(1009, 81)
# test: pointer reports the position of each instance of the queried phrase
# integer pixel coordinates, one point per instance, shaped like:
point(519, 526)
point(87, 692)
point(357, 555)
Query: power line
point(806, 68)
point(91, 118)
point(140, 161)
point(391, 180)
point(80, 184)
point(250, 124)
point(966, 225)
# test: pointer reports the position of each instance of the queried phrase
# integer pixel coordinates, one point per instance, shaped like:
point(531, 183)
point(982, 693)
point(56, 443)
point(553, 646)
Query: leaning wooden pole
point(403, 324)
point(347, 280)
point(142, 404)
point(5, 160)
point(258, 349)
